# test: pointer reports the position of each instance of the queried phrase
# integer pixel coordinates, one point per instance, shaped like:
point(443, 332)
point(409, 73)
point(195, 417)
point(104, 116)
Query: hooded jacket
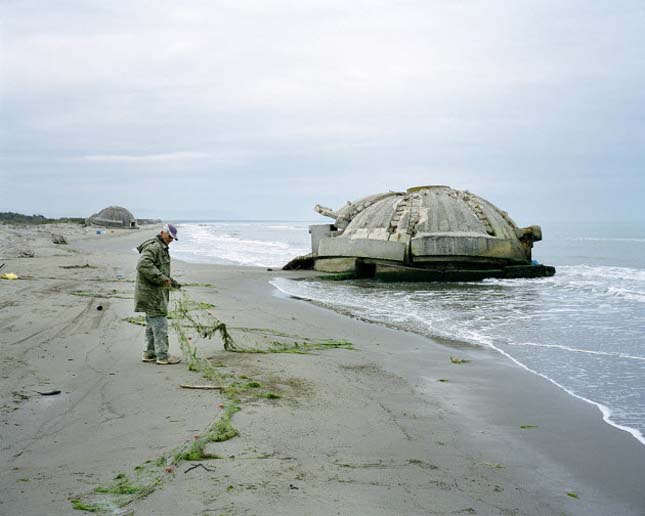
point(153, 269)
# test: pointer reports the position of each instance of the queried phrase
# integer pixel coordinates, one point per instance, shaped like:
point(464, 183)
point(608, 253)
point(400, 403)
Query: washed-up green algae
point(102, 295)
point(190, 319)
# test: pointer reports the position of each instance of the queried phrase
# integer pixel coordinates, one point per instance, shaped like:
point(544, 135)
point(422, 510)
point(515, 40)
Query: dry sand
point(363, 431)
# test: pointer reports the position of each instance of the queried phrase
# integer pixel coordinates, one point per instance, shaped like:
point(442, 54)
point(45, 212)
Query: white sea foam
point(602, 272)
point(577, 350)
point(243, 243)
point(632, 295)
point(602, 239)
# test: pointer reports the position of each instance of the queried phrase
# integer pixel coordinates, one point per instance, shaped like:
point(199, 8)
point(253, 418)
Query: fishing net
point(193, 321)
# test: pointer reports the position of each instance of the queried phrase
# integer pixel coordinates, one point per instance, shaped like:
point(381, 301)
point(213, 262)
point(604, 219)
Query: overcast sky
point(260, 109)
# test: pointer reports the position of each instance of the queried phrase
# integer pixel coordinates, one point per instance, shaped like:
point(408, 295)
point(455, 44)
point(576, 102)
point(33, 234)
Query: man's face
point(166, 237)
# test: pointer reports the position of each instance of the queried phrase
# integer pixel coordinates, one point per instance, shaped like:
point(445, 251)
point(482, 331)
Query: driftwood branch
point(200, 465)
point(206, 387)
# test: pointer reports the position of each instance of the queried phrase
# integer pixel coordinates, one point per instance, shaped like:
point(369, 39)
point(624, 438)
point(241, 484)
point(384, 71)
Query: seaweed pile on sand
point(194, 321)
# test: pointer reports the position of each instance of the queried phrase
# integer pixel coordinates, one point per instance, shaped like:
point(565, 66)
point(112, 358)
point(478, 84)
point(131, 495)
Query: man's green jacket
point(153, 269)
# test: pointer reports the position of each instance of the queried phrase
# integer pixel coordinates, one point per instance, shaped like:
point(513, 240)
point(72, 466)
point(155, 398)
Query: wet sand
point(390, 427)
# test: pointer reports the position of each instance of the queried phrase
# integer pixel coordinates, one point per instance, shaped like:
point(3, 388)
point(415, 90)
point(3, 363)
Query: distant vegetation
point(19, 218)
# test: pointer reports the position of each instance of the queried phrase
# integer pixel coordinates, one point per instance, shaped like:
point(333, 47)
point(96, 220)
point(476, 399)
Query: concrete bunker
point(113, 217)
point(433, 233)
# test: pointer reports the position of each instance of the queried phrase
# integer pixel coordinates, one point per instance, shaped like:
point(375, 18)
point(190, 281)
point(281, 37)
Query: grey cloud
point(289, 104)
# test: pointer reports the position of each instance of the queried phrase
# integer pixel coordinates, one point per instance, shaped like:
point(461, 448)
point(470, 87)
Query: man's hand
point(171, 283)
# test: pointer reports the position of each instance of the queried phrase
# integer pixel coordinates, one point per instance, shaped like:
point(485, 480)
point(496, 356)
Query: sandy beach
point(365, 420)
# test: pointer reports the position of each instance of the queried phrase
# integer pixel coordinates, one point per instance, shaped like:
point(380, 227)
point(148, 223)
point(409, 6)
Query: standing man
point(152, 291)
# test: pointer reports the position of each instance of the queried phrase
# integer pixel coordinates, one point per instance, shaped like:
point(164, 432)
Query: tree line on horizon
point(10, 216)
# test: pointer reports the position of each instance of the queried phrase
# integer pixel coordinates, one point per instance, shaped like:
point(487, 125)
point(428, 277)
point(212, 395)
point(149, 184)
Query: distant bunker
point(428, 233)
point(113, 217)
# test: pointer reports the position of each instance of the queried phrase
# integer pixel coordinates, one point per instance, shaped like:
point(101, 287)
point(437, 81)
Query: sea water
point(582, 329)
point(253, 243)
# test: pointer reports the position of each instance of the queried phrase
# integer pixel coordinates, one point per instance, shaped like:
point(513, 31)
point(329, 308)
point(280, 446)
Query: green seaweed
point(495, 465)
point(457, 360)
point(102, 295)
point(196, 452)
point(206, 285)
point(528, 427)
point(80, 506)
point(573, 495)
point(139, 320)
point(120, 486)
point(221, 430)
point(267, 331)
point(253, 385)
point(298, 348)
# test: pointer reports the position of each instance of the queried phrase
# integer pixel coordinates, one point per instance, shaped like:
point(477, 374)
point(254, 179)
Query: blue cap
point(171, 230)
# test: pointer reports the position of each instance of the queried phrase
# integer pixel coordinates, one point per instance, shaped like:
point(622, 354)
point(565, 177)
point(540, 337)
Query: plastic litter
point(9, 276)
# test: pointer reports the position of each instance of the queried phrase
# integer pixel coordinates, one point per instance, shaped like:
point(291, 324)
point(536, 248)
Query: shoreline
point(372, 430)
point(605, 412)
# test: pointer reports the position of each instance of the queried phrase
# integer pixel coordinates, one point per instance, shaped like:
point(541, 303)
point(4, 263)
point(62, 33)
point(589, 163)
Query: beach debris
point(59, 239)
point(2, 266)
point(9, 276)
point(427, 233)
point(495, 465)
point(26, 253)
point(86, 266)
point(573, 495)
point(20, 395)
point(99, 307)
point(53, 392)
point(422, 464)
point(78, 505)
point(300, 262)
point(457, 360)
point(104, 294)
point(291, 486)
point(204, 387)
point(528, 427)
point(199, 465)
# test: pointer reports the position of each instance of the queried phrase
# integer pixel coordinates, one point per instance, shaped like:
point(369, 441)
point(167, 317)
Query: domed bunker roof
point(114, 216)
point(426, 227)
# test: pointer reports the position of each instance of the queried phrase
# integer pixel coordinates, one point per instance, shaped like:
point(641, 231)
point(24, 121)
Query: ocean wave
point(242, 243)
point(631, 295)
point(233, 239)
point(287, 227)
point(602, 272)
point(606, 239)
point(577, 350)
